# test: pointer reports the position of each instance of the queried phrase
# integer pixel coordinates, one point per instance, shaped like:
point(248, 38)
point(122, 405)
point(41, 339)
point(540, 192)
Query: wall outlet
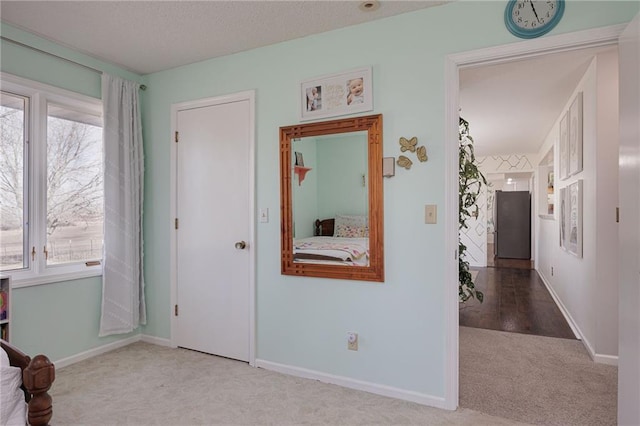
point(352, 341)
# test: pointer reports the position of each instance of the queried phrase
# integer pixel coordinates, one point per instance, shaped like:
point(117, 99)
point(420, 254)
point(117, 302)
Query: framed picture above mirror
point(332, 95)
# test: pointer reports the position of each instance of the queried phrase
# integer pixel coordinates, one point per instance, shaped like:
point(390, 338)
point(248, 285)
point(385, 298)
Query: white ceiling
point(511, 107)
point(150, 36)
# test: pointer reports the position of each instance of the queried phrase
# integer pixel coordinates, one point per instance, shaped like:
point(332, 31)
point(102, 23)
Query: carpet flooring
point(535, 379)
point(144, 384)
point(505, 379)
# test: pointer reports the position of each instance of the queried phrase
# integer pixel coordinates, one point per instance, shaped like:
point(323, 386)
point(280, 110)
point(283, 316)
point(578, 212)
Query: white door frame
point(175, 108)
point(493, 55)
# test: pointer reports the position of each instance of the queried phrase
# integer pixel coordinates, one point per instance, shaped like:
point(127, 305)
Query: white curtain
point(123, 306)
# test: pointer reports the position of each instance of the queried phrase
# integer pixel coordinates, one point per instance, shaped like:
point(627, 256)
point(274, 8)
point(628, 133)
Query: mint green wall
point(305, 196)
point(26, 63)
point(58, 319)
point(341, 163)
point(303, 321)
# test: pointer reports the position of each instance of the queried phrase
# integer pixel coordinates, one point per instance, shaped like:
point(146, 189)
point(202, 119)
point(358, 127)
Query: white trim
point(452, 316)
point(249, 96)
point(8, 80)
point(606, 359)
point(155, 340)
point(392, 392)
point(91, 272)
point(40, 95)
point(64, 362)
point(565, 313)
point(159, 341)
point(533, 48)
point(599, 358)
point(452, 63)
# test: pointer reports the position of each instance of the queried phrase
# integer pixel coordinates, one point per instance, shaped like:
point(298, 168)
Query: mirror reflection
point(330, 199)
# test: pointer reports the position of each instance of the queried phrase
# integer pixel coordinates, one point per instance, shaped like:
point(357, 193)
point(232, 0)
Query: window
point(13, 136)
point(51, 183)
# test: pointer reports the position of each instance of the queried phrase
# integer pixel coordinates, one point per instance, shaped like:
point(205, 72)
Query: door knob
point(241, 245)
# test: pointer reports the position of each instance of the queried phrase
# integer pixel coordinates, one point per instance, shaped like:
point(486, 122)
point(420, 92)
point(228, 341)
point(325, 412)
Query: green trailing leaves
point(470, 185)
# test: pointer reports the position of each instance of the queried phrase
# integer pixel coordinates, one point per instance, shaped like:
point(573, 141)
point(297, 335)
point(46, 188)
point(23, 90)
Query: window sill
point(29, 281)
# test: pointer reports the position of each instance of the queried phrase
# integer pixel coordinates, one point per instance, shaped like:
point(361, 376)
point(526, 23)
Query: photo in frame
point(575, 135)
point(563, 217)
point(573, 214)
point(336, 94)
point(299, 159)
point(564, 147)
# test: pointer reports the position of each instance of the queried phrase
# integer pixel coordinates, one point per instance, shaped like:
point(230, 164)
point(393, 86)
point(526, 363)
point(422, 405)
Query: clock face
point(532, 18)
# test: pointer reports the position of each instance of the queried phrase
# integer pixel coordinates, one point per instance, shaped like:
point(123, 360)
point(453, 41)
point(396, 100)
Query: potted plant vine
point(471, 180)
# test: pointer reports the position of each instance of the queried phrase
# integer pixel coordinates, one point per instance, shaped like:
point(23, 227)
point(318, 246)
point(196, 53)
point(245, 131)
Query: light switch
point(430, 213)
point(264, 215)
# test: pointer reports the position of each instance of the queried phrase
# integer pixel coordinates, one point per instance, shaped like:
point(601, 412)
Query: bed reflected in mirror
point(330, 208)
point(331, 195)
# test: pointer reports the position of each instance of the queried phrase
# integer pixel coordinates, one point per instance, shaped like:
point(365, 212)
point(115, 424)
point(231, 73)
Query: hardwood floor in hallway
point(515, 300)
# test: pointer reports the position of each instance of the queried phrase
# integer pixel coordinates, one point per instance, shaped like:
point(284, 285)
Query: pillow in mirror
point(349, 226)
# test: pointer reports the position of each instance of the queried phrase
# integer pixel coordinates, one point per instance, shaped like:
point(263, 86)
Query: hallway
point(515, 300)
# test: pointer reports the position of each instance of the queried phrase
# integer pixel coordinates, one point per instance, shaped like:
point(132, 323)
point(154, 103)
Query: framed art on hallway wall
point(336, 94)
point(575, 135)
point(573, 218)
point(564, 147)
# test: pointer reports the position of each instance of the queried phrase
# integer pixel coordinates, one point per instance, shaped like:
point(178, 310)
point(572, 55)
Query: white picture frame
point(338, 94)
point(573, 214)
point(562, 212)
point(563, 149)
point(575, 135)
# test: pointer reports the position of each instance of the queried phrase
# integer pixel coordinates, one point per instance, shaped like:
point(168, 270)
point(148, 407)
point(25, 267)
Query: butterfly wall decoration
point(421, 152)
point(408, 145)
point(404, 162)
point(411, 146)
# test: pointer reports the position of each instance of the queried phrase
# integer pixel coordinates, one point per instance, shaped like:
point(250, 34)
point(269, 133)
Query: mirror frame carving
point(375, 271)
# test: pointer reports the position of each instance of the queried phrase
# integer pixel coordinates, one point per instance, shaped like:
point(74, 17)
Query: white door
point(629, 228)
point(213, 208)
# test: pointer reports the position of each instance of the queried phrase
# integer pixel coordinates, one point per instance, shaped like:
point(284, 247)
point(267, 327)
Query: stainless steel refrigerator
point(513, 224)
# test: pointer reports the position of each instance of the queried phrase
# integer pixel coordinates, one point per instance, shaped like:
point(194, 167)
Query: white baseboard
point(96, 351)
point(599, 358)
point(420, 398)
point(110, 347)
point(156, 340)
point(565, 313)
point(606, 359)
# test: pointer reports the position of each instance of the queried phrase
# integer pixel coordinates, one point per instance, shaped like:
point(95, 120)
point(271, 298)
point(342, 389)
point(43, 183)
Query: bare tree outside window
point(74, 186)
point(12, 183)
point(74, 190)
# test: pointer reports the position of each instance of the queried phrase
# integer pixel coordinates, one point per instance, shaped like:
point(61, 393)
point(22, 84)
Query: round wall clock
point(532, 18)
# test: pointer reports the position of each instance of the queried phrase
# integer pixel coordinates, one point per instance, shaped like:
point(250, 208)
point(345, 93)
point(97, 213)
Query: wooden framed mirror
point(331, 199)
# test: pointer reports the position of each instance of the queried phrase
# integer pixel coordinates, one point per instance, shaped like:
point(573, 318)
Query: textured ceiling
point(511, 107)
point(150, 36)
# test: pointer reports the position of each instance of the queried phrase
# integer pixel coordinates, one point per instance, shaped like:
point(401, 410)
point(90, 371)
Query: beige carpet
point(145, 384)
point(534, 379)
